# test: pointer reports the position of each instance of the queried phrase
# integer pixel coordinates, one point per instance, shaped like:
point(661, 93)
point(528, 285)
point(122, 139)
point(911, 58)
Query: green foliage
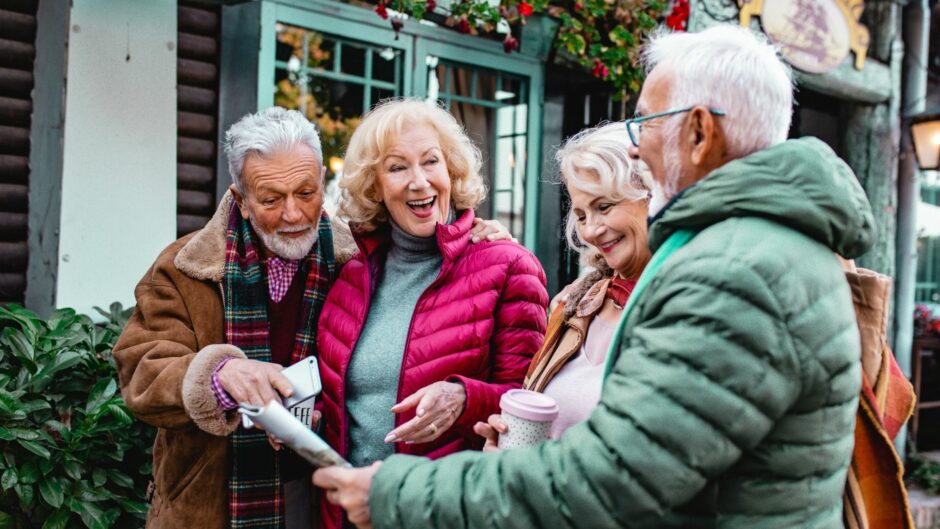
point(71, 455)
point(606, 35)
point(924, 473)
point(603, 36)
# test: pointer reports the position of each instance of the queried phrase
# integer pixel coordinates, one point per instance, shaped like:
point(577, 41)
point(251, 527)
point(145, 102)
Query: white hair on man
point(726, 68)
point(734, 70)
point(265, 132)
point(596, 161)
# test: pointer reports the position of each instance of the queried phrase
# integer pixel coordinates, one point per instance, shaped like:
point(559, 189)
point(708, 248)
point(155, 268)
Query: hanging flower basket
point(604, 36)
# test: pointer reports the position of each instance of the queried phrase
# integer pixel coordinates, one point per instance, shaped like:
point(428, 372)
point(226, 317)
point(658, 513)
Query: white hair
point(596, 161)
point(264, 133)
point(731, 69)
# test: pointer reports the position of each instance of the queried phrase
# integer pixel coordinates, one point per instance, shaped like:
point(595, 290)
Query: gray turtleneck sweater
point(372, 379)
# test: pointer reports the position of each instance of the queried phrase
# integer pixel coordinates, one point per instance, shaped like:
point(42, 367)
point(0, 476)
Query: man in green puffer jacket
point(733, 390)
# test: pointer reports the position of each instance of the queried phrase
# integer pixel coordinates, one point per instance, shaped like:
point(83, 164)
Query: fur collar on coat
point(203, 256)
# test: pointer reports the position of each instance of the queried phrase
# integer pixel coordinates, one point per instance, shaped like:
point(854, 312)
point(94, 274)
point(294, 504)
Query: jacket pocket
point(180, 455)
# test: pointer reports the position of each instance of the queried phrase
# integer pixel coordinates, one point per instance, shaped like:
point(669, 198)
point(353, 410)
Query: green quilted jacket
point(732, 401)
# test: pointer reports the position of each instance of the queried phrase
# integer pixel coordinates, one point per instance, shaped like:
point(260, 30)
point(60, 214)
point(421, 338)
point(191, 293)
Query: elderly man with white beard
point(219, 314)
point(732, 383)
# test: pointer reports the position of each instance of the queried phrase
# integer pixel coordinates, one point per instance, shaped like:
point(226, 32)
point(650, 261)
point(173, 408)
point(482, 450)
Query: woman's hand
point(439, 405)
point(490, 431)
point(489, 230)
point(349, 488)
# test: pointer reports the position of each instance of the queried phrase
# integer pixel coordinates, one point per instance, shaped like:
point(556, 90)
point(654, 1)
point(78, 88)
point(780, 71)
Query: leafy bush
point(924, 473)
point(70, 453)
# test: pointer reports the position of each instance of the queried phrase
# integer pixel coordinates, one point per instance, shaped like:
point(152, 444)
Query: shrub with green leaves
point(70, 453)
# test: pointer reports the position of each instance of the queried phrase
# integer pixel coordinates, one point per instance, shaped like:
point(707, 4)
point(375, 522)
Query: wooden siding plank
point(14, 198)
point(13, 226)
point(198, 20)
point(14, 140)
point(15, 83)
point(14, 256)
point(15, 54)
point(14, 169)
point(196, 73)
point(198, 48)
point(192, 150)
point(193, 99)
point(17, 26)
point(191, 176)
point(15, 112)
point(196, 125)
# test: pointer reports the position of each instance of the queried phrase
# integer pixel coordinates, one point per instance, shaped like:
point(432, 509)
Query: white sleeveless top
point(577, 385)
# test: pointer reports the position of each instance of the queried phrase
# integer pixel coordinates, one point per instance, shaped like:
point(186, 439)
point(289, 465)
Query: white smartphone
point(304, 377)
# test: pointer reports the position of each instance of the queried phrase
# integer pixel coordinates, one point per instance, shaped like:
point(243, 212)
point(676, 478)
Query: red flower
point(510, 44)
point(464, 25)
point(525, 8)
point(600, 69)
point(381, 11)
point(432, 5)
point(397, 24)
point(577, 7)
point(678, 18)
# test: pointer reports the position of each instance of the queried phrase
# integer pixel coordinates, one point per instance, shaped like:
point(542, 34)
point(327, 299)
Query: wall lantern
point(925, 130)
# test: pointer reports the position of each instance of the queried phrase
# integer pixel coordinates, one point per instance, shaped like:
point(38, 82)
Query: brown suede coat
point(577, 305)
point(165, 358)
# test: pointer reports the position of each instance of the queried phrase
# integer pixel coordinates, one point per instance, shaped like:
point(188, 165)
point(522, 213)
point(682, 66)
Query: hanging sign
point(813, 35)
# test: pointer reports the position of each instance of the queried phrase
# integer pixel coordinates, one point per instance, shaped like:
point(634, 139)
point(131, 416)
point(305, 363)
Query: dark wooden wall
point(197, 114)
point(17, 54)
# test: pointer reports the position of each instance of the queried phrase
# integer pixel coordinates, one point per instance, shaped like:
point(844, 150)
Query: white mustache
point(295, 229)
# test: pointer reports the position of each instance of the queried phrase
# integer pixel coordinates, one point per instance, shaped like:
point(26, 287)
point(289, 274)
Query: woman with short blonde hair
point(360, 203)
point(420, 321)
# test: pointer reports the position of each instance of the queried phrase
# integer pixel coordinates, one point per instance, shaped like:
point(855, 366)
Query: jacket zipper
point(401, 369)
point(365, 315)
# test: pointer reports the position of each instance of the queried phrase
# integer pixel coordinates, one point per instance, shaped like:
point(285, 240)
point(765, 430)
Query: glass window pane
point(510, 91)
point(321, 51)
point(385, 63)
point(306, 79)
point(379, 94)
point(353, 60)
point(345, 98)
point(486, 86)
point(491, 107)
point(504, 164)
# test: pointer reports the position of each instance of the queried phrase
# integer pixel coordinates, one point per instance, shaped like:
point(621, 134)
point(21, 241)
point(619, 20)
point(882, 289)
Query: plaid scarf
point(256, 497)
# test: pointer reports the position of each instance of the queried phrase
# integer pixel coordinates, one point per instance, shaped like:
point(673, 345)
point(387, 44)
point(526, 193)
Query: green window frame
point(927, 286)
point(417, 42)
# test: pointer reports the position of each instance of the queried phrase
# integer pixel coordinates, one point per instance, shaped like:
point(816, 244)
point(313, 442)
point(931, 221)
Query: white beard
point(666, 191)
point(286, 247)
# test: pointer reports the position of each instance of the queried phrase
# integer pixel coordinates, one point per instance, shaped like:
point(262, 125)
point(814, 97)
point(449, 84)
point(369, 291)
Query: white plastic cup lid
point(529, 405)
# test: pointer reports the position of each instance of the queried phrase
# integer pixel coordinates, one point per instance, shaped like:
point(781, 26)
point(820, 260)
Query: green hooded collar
point(800, 184)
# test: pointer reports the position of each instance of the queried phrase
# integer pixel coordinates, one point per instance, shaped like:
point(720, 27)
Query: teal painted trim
point(418, 69)
point(340, 12)
point(673, 243)
point(367, 87)
point(417, 42)
point(355, 79)
point(266, 55)
point(324, 17)
point(533, 172)
point(512, 65)
point(326, 21)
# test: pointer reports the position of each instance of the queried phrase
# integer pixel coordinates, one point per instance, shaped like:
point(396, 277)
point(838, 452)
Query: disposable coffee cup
point(529, 416)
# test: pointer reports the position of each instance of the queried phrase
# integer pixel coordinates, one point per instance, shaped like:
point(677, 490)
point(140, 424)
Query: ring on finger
point(433, 428)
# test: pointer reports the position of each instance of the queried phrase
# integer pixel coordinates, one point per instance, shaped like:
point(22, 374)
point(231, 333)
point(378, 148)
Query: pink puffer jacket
point(479, 323)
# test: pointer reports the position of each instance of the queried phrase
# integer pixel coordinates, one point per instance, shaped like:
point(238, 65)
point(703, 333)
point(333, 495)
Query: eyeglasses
point(635, 125)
